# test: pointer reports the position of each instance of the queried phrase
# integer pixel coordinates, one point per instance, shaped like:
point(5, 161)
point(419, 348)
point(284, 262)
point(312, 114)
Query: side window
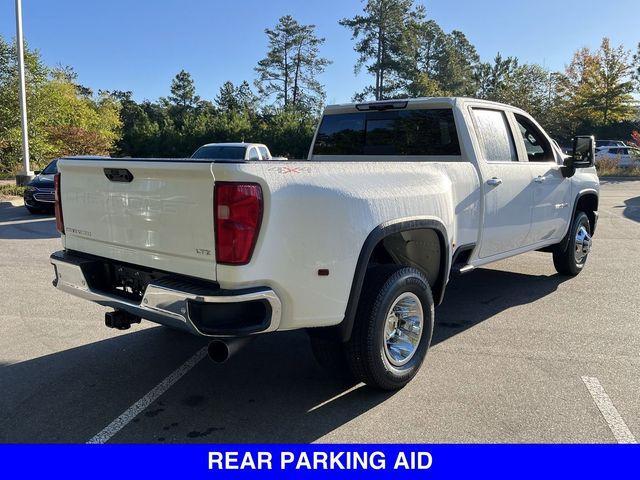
point(264, 153)
point(536, 144)
point(253, 154)
point(494, 135)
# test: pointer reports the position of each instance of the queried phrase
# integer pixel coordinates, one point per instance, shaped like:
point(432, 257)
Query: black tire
point(565, 260)
point(366, 352)
point(330, 355)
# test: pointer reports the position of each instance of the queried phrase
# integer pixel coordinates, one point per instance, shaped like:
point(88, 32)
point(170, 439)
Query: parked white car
point(233, 151)
point(609, 143)
point(624, 156)
point(355, 244)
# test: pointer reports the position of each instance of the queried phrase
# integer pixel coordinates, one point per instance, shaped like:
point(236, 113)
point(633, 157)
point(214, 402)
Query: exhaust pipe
point(220, 350)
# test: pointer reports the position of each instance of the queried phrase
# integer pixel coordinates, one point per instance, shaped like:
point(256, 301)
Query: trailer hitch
point(120, 319)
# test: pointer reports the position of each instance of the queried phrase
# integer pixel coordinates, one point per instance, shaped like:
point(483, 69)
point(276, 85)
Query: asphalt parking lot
point(519, 355)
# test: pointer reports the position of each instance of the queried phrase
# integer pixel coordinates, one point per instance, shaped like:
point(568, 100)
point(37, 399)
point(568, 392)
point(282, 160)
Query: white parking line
point(609, 411)
point(135, 409)
point(21, 222)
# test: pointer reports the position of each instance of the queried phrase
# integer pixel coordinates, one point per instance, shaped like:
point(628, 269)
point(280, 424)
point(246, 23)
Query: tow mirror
point(582, 156)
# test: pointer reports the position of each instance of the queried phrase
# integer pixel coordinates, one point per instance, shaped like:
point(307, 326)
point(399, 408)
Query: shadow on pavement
point(16, 223)
point(473, 298)
point(272, 391)
point(632, 209)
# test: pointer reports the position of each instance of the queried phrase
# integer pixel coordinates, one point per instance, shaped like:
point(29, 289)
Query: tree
point(636, 68)
point(458, 65)
point(293, 62)
point(423, 50)
point(232, 98)
point(63, 119)
point(598, 85)
point(614, 83)
point(494, 78)
point(381, 38)
point(183, 91)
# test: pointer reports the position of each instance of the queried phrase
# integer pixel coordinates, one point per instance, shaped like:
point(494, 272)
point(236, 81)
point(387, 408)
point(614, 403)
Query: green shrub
point(11, 190)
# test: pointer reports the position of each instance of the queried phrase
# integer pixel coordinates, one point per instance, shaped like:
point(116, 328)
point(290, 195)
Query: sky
point(139, 45)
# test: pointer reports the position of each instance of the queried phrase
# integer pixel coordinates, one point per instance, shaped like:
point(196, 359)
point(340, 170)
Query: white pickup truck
point(233, 151)
point(355, 244)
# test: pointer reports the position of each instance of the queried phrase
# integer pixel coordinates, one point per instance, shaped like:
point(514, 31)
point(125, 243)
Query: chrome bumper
point(159, 304)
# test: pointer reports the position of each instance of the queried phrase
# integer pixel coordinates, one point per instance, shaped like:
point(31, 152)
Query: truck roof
point(407, 102)
point(234, 144)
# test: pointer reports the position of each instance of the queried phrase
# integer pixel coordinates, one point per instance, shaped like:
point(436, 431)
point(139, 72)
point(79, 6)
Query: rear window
point(397, 132)
point(220, 151)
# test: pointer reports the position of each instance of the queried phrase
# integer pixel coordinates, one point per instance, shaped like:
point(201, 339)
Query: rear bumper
point(214, 313)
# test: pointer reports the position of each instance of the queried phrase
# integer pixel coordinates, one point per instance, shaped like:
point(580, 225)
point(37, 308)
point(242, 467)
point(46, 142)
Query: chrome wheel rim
point(403, 329)
point(583, 244)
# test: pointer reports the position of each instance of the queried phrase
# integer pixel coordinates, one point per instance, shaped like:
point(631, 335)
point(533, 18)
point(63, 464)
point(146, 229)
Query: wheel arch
point(373, 240)
point(586, 201)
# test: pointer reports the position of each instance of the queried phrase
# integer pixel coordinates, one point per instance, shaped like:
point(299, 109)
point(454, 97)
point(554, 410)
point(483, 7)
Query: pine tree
point(232, 98)
point(183, 91)
point(289, 71)
point(381, 35)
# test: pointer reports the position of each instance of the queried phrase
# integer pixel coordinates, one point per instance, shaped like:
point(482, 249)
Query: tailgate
point(162, 218)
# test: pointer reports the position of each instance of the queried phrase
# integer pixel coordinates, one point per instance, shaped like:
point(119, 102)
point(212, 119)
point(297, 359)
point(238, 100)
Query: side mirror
point(584, 151)
point(583, 155)
point(37, 172)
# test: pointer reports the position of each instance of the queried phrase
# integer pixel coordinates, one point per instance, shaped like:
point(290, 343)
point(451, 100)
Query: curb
point(15, 201)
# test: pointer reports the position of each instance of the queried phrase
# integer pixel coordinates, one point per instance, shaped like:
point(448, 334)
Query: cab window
point(415, 132)
point(494, 135)
point(253, 154)
point(536, 144)
point(264, 152)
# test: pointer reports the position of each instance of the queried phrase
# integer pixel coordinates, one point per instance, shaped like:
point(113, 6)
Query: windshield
point(220, 151)
point(51, 169)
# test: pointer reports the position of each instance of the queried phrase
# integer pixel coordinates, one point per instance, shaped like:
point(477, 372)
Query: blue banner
point(318, 461)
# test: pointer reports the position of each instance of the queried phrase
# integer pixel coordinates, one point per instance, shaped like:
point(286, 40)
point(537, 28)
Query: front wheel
point(393, 327)
point(572, 259)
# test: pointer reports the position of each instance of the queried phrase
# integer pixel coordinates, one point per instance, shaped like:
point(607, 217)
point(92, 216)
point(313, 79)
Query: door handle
point(494, 181)
point(539, 179)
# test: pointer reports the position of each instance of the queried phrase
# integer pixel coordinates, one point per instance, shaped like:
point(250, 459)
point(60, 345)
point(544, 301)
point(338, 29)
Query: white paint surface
point(609, 411)
point(135, 409)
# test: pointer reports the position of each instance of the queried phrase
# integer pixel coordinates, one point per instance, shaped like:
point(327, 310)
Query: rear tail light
point(58, 203)
point(237, 213)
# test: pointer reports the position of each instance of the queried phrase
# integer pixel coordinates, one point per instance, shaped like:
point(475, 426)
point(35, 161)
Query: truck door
point(506, 180)
point(551, 191)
